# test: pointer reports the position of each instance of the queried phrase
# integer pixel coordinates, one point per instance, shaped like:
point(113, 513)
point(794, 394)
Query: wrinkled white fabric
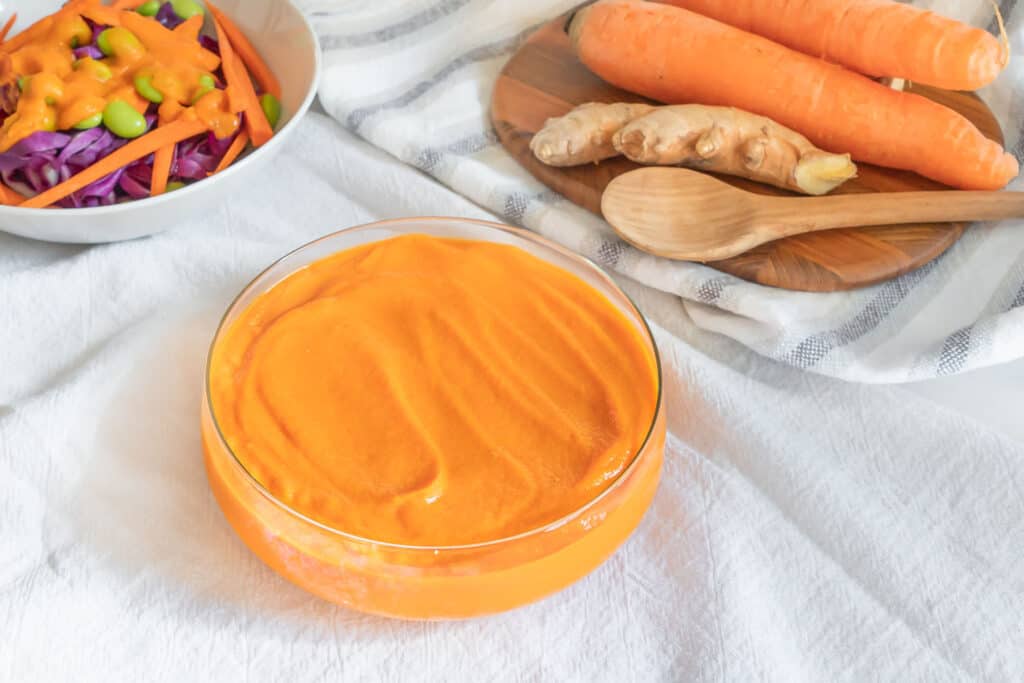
point(415, 77)
point(806, 529)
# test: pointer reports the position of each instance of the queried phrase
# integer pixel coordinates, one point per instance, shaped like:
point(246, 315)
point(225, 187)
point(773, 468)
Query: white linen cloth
point(414, 77)
point(806, 529)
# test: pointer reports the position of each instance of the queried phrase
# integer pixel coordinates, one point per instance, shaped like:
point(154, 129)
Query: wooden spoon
point(691, 216)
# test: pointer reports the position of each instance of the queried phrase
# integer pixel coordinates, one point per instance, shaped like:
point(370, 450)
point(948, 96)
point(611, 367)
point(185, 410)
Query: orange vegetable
point(874, 37)
point(29, 34)
point(190, 27)
point(133, 151)
point(241, 92)
point(101, 14)
point(234, 150)
point(43, 25)
point(7, 27)
point(245, 50)
point(152, 33)
point(676, 56)
point(9, 197)
point(162, 159)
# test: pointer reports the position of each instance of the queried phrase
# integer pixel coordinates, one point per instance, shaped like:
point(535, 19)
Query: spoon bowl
point(691, 216)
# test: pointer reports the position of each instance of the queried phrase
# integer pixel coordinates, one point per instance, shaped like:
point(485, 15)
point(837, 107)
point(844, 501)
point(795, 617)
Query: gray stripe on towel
point(710, 291)
point(811, 350)
point(609, 253)
point(955, 351)
point(414, 23)
point(428, 158)
point(515, 204)
point(478, 54)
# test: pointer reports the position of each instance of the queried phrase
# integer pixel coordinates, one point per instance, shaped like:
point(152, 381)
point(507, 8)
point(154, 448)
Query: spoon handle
point(850, 210)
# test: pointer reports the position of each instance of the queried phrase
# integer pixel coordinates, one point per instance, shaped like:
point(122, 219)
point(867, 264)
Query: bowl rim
point(272, 144)
point(529, 236)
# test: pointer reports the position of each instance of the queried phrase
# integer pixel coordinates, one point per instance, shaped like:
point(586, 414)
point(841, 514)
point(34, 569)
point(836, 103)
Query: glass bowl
point(418, 582)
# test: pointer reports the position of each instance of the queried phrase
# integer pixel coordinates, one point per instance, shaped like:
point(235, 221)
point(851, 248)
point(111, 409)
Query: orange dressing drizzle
point(60, 92)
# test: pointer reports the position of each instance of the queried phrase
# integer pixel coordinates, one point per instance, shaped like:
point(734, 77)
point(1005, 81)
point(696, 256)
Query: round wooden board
point(544, 79)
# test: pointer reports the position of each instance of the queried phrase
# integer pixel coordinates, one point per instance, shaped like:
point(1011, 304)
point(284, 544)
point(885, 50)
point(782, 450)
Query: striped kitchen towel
point(414, 77)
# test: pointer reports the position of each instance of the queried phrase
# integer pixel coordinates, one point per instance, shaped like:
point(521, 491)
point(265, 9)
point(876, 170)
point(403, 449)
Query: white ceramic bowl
point(287, 43)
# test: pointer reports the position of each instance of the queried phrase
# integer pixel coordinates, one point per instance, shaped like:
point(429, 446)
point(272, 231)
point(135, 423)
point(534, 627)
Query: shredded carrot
point(873, 37)
point(247, 53)
point(149, 143)
point(152, 33)
point(836, 109)
point(162, 159)
point(237, 145)
point(9, 197)
point(7, 27)
point(240, 89)
point(37, 29)
point(236, 95)
point(125, 4)
point(101, 14)
point(29, 34)
point(190, 27)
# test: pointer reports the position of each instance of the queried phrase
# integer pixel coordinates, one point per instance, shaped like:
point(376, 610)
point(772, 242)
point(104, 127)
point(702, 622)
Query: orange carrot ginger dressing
point(59, 92)
point(431, 391)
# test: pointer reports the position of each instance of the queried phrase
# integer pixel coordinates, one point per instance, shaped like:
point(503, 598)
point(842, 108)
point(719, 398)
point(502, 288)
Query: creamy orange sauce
point(433, 391)
point(60, 92)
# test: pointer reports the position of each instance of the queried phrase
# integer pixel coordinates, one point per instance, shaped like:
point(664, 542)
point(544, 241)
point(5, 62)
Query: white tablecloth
point(805, 529)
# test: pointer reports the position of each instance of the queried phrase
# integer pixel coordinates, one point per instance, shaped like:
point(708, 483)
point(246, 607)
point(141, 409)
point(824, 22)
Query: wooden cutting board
point(544, 79)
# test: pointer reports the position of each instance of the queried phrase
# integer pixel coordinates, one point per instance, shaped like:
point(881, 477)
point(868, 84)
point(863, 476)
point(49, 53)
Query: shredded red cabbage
point(43, 159)
point(168, 17)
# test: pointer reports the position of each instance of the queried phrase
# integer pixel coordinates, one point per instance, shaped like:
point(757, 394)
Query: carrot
point(249, 55)
point(241, 93)
point(133, 151)
point(29, 34)
point(7, 27)
point(675, 56)
point(101, 14)
point(874, 37)
point(162, 159)
point(234, 150)
point(152, 33)
point(40, 27)
point(190, 27)
point(9, 197)
point(237, 94)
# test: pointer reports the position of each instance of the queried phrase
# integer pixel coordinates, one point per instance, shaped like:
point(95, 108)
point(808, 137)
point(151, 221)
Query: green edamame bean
point(144, 86)
point(175, 185)
point(206, 84)
point(119, 42)
point(149, 8)
point(122, 120)
point(91, 122)
point(272, 108)
point(99, 70)
point(103, 43)
point(186, 9)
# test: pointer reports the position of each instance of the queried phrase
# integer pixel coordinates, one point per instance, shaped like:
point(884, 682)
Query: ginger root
point(584, 135)
point(718, 139)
